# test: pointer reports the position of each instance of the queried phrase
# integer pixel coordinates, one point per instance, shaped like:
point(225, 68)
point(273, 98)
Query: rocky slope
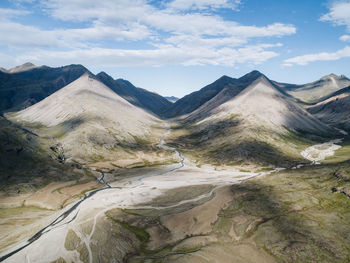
point(334, 110)
point(317, 90)
point(261, 104)
point(223, 89)
point(91, 121)
point(261, 124)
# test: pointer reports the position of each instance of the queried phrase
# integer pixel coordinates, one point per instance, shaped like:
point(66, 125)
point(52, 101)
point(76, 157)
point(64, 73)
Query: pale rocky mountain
point(21, 68)
point(90, 120)
point(260, 104)
point(334, 110)
point(259, 125)
point(196, 99)
point(318, 90)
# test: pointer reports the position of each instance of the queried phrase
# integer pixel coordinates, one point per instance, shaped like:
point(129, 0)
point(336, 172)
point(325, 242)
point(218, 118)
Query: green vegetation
point(72, 241)
point(233, 116)
point(59, 260)
point(141, 234)
point(19, 211)
point(340, 155)
point(38, 164)
point(84, 253)
point(226, 142)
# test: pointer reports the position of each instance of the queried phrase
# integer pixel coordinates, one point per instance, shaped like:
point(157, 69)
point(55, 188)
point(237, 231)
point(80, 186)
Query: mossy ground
point(292, 215)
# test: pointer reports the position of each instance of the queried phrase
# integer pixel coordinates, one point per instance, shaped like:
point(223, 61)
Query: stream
point(101, 180)
point(167, 181)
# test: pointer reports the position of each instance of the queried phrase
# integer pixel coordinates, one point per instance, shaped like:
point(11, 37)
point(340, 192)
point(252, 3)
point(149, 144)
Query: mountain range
point(25, 85)
point(97, 117)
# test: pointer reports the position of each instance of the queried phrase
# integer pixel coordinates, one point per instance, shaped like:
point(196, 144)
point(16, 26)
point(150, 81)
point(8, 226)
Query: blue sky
point(174, 47)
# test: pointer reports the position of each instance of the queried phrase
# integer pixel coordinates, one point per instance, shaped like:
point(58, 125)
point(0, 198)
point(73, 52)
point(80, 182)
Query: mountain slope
point(334, 110)
point(25, 67)
point(260, 125)
point(317, 90)
point(196, 99)
point(262, 103)
point(27, 85)
point(139, 97)
point(91, 121)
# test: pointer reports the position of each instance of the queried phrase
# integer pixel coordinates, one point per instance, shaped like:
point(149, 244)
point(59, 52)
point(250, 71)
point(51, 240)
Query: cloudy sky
point(174, 47)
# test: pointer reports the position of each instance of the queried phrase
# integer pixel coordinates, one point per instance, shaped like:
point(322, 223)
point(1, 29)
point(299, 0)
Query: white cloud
point(16, 35)
point(165, 55)
point(7, 13)
point(339, 14)
point(345, 38)
point(121, 12)
point(178, 32)
point(22, 36)
point(323, 56)
point(203, 4)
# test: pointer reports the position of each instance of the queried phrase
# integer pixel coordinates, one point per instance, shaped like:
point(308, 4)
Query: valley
point(242, 170)
point(143, 193)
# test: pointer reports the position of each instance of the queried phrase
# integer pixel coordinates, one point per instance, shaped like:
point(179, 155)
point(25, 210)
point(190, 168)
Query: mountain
point(26, 85)
point(334, 110)
point(21, 68)
point(137, 96)
point(196, 99)
point(261, 104)
point(25, 67)
point(260, 125)
point(26, 161)
point(316, 91)
point(90, 120)
point(172, 99)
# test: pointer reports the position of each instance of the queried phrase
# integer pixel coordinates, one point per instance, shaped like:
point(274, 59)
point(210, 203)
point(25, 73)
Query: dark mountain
point(29, 84)
point(196, 99)
point(137, 96)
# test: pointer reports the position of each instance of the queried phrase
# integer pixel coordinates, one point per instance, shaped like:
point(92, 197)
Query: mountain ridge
point(196, 99)
point(148, 100)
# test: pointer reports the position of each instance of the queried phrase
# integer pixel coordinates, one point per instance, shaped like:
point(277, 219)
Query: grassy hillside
point(293, 216)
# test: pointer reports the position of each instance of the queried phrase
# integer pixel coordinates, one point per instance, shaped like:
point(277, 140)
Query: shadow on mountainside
point(226, 142)
point(294, 215)
point(25, 162)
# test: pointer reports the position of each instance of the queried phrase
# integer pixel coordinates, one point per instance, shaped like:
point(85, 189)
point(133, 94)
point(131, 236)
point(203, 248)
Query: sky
point(174, 47)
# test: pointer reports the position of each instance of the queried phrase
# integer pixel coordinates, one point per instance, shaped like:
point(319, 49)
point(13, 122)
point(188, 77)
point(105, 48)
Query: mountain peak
point(28, 64)
point(224, 77)
point(330, 76)
point(24, 67)
point(104, 76)
point(252, 75)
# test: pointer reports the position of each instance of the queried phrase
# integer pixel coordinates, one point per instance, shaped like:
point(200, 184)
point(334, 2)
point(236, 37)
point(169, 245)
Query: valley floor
point(186, 213)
